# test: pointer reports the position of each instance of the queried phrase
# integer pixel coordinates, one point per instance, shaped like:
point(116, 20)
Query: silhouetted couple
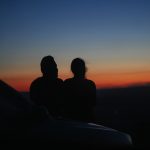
point(73, 99)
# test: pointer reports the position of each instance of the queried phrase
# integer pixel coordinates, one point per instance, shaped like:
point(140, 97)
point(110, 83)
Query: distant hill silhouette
point(133, 100)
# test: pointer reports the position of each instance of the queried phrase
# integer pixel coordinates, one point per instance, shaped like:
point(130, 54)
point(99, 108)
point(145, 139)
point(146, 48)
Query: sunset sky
point(112, 36)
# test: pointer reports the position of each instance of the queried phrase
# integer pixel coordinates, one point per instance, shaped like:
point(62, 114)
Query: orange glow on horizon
point(120, 80)
point(101, 80)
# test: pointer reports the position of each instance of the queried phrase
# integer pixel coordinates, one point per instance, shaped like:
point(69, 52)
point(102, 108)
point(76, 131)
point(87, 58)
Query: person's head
point(78, 67)
point(49, 67)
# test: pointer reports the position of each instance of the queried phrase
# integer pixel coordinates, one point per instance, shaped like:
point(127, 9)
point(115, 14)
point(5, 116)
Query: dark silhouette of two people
point(73, 99)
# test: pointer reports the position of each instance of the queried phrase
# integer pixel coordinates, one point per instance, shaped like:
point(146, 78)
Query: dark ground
point(127, 110)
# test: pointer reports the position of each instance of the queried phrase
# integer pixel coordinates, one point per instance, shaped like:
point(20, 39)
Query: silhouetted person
point(47, 90)
point(80, 93)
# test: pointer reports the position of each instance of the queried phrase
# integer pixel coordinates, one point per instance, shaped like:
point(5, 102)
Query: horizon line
point(113, 87)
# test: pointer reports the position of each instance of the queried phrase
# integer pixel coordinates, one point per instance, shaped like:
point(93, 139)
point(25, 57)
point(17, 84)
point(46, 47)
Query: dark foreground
point(127, 110)
point(25, 124)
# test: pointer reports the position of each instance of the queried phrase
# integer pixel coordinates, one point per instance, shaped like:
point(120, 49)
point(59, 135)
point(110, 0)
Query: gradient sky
point(112, 36)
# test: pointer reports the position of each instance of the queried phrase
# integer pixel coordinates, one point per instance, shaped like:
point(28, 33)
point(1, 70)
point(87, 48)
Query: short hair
point(78, 66)
point(48, 64)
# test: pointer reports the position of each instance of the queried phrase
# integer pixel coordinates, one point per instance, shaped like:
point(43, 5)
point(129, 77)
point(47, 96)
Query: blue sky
point(111, 35)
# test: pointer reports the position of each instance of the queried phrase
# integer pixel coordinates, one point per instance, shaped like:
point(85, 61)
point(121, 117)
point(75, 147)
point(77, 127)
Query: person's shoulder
point(68, 80)
point(36, 81)
point(90, 82)
point(60, 80)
